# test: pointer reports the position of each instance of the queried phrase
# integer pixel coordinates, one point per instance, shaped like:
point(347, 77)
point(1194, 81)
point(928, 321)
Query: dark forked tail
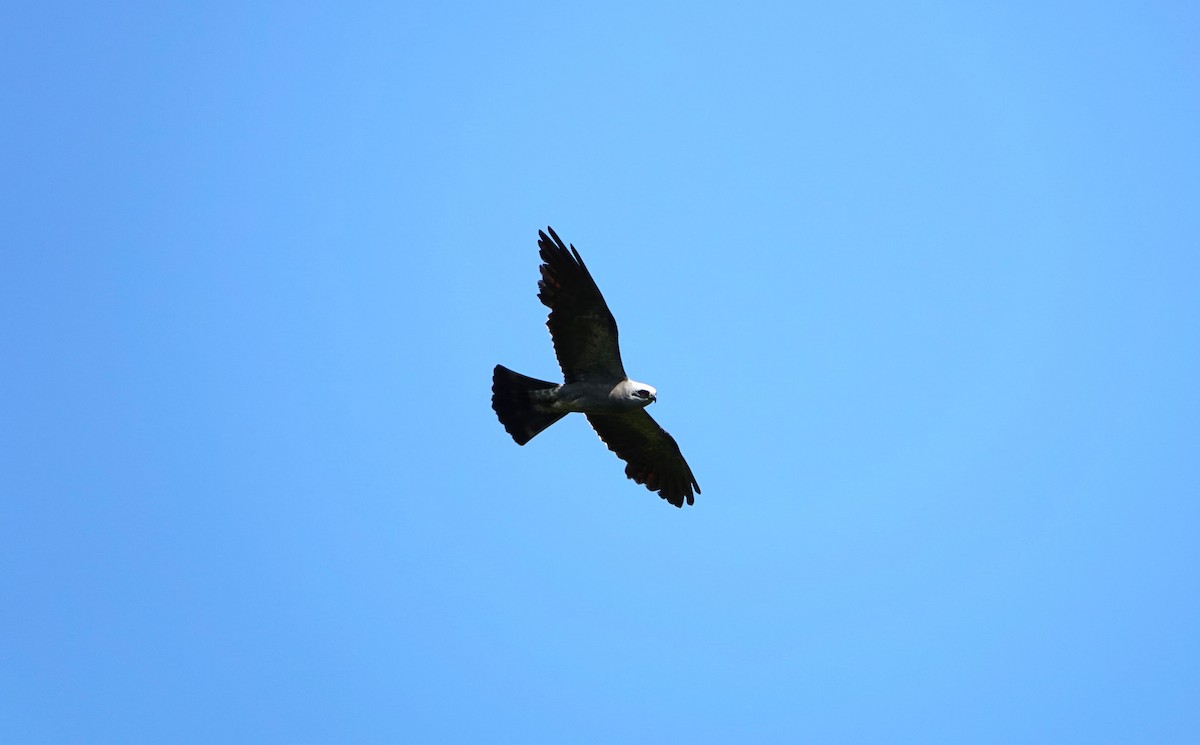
point(514, 404)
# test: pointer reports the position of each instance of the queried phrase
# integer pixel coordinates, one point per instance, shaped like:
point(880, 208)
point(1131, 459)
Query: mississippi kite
point(585, 342)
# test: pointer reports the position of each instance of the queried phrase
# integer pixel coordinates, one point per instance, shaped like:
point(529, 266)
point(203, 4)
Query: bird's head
point(640, 394)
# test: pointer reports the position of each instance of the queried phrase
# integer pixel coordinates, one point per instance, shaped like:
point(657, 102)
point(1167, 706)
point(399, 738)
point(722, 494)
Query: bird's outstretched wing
point(651, 455)
point(581, 326)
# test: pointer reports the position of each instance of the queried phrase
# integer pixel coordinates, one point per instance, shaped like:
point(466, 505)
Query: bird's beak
point(653, 398)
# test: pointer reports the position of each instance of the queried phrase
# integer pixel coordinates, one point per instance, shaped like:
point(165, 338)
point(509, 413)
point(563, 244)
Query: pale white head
point(638, 394)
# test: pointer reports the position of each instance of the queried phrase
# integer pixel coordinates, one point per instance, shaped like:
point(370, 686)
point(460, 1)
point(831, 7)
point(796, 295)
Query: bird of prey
point(585, 342)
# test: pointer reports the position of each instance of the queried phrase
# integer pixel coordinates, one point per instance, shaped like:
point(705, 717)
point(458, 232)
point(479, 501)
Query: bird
point(584, 334)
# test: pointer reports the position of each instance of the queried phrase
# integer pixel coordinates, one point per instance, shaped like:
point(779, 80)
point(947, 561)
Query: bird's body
point(596, 398)
point(585, 340)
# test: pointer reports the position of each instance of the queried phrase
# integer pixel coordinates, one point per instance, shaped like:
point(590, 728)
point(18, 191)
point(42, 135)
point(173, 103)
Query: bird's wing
point(651, 455)
point(583, 329)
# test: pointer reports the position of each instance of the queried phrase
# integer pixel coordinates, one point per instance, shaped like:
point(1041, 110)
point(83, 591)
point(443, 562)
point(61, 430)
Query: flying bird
point(585, 341)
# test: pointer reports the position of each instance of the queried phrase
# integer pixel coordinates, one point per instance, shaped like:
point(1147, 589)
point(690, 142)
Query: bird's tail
point(513, 400)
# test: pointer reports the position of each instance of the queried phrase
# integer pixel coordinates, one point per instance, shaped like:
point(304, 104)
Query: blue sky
point(917, 285)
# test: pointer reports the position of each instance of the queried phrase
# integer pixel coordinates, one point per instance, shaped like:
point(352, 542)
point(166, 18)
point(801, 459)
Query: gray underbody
point(596, 398)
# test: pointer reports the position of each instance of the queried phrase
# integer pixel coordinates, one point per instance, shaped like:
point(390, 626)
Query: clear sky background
point(918, 284)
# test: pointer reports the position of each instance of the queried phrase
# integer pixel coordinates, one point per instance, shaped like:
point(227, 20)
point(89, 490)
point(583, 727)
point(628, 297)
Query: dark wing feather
point(651, 455)
point(581, 326)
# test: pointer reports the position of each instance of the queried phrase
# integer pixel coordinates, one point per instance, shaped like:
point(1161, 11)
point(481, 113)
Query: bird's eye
point(643, 394)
